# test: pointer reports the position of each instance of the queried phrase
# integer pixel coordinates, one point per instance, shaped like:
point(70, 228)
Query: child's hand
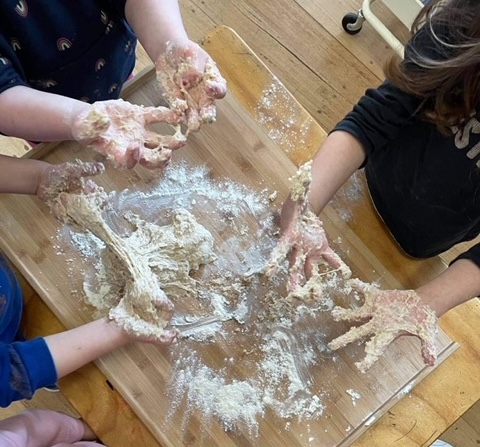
point(151, 333)
point(144, 312)
point(390, 314)
point(119, 130)
point(67, 177)
point(304, 240)
point(188, 75)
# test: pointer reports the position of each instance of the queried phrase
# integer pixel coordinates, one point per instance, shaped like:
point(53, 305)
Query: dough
point(143, 309)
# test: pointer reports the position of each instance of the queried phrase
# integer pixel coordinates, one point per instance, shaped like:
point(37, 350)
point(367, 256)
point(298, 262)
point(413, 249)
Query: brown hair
point(442, 62)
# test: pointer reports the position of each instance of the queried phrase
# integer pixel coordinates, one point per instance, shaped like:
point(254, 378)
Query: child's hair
point(442, 62)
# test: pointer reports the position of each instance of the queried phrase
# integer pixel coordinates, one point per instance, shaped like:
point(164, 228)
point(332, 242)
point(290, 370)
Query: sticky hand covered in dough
point(188, 75)
point(67, 177)
point(119, 130)
point(303, 239)
point(388, 315)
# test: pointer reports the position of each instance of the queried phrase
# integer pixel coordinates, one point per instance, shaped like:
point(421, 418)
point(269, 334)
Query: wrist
point(430, 301)
point(115, 332)
point(41, 179)
point(78, 114)
point(455, 285)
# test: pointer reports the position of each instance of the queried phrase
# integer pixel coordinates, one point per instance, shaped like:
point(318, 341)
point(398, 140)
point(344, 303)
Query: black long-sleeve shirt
point(425, 185)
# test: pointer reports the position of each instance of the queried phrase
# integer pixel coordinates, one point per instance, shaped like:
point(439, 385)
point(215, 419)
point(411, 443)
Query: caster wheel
point(351, 23)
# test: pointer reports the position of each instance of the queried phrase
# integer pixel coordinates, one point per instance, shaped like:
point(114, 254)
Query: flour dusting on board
point(277, 111)
point(272, 340)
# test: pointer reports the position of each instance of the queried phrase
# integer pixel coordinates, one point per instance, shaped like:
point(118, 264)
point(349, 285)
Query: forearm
point(75, 348)
point(338, 158)
point(20, 175)
point(155, 22)
point(38, 116)
point(457, 284)
point(39, 428)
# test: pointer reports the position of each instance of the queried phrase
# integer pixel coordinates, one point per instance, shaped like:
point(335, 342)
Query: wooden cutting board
point(256, 142)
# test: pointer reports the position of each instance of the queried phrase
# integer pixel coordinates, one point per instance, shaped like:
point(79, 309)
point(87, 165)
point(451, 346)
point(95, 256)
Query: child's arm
point(38, 116)
point(46, 181)
point(339, 157)
point(44, 428)
point(390, 314)
point(187, 75)
point(457, 284)
point(116, 128)
point(27, 366)
point(155, 23)
point(72, 349)
point(20, 175)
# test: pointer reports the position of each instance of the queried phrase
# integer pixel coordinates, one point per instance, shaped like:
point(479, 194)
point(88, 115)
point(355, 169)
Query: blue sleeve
point(24, 368)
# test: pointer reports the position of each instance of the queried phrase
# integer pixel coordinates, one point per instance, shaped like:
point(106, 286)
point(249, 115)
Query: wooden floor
point(303, 43)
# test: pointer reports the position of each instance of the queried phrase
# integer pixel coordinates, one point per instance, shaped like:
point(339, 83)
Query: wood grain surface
point(242, 147)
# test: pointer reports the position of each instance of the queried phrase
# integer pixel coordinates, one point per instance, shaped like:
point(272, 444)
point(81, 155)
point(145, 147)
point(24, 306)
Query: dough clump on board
point(144, 309)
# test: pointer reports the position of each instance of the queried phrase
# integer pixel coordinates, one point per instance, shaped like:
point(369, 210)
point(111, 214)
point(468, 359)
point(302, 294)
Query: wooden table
point(418, 419)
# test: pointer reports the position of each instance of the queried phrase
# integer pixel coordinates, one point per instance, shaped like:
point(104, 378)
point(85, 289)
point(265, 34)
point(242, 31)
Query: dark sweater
point(425, 185)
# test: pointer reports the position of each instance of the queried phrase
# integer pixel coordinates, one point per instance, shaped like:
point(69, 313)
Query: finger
point(193, 119)
point(429, 349)
point(279, 253)
point(155, 140)
point(190, 68)
point(91, 187)
point(342, 314)
point(191, 78)
point(161, 115)
point(216, 89)
point(215, 84)
point(91, 168)
point(361, 286)
point(354, 334)
point(128, 158)
point(155, 158)
point(375, 348)
point(58, 210)
point(169, 337)
point(296, 273)
point(295, 280)
point(208, 113)
point(336, 262)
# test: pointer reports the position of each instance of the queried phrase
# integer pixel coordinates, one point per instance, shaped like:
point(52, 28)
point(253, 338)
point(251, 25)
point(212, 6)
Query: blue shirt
point(83, 49)
point(25, 366)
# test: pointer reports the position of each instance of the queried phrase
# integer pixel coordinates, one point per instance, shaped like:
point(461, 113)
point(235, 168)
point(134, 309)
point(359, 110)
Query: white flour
point(355, 395)
point(277, 111)
point(271, 341)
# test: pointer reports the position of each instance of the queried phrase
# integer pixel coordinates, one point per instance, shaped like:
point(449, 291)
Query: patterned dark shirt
point(83, 49)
